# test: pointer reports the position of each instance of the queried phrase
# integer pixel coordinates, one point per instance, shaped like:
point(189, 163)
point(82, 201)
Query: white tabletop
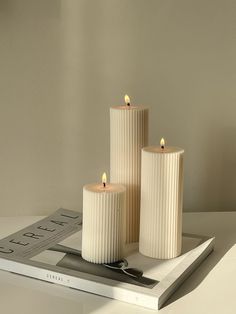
point(210, 289)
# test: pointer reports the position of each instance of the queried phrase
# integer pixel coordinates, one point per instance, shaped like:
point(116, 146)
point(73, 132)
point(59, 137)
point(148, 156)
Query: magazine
point(50, 250)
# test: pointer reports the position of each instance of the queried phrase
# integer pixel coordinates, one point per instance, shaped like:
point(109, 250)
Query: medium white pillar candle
point(103, 212)
point(128, 134)
point(161, 201)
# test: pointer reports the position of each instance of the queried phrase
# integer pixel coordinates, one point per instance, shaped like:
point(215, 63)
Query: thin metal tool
point(121, 265)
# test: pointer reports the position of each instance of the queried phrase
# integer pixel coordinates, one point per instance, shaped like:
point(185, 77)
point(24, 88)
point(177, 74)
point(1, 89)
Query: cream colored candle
point(161, 201)
point(128, 134)
point(103, 212)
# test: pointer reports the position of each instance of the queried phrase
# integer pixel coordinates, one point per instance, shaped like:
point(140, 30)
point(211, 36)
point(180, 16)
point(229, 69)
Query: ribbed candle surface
point(161, 202)
point(103, 212)
point(128, 134)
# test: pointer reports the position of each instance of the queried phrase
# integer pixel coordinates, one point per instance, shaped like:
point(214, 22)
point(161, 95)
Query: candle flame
point(162, 143)
point(104, 179)
point(127, 100)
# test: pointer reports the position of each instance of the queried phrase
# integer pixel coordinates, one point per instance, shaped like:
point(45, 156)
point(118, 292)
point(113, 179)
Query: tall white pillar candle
point(128, 134)
point(103, 212)
point(161, 201)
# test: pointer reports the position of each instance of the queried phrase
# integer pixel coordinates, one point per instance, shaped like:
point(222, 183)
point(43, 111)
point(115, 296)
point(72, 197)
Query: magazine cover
point(50, 250)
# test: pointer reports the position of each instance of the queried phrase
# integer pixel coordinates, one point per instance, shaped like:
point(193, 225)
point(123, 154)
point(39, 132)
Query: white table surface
point(210, 289)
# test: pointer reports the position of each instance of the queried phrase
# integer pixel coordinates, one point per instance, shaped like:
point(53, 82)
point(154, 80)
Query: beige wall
point(63, 63)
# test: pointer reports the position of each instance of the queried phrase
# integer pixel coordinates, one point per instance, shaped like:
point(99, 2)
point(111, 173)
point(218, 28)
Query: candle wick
point(104, 184)
point(128, 104)
point(162, 146)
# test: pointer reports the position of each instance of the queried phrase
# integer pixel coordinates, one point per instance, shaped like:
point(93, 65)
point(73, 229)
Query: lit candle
point(128, 134)
point(103, 213)
point(161, 201)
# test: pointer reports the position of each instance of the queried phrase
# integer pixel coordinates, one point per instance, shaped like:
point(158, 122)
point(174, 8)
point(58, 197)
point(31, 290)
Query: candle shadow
point(41, 9)
point(217, 175)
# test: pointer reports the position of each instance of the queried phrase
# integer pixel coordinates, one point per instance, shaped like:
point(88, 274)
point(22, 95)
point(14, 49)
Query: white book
point(50, 250)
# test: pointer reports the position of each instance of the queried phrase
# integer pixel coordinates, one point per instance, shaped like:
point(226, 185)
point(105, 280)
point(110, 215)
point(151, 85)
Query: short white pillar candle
point(128, 135)
point(161, 201)
point(103, 230)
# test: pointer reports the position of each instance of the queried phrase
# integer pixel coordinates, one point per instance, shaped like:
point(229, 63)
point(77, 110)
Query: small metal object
point(121, 265)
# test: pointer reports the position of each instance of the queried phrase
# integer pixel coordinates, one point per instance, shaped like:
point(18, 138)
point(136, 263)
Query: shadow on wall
point(219, 177)
point(35, 9)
